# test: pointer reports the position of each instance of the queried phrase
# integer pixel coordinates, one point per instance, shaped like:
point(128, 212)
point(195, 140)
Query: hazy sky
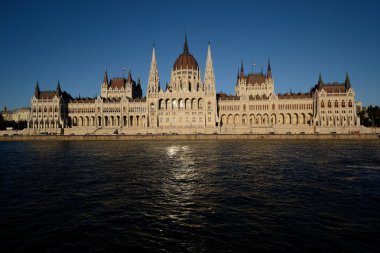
point(73, 41)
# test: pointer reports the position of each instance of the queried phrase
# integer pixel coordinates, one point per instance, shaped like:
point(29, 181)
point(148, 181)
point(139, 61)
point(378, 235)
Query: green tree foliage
point(370, 117)
point(1, 122)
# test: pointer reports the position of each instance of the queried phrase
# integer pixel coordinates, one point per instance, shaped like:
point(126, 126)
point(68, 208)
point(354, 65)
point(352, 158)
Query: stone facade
point(189, 104)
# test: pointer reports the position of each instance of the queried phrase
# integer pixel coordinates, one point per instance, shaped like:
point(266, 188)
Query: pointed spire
point(320, 81)
point(209, 58)
point(37, 86)
point(37, 90)
point(241, 70)
point(153, 80)
point(139, 90)
point(58, 90)
point(185, 46)
point(269, 72)
point(153, 55)
point(129, 79)
point(209, 77)
point(105, 77)
point(347, 82)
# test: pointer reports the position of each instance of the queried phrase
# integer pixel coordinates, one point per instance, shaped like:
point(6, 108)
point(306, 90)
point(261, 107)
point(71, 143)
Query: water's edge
point(200, 137)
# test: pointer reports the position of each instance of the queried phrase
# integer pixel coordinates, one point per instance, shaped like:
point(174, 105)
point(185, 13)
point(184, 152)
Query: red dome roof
point(185, 60)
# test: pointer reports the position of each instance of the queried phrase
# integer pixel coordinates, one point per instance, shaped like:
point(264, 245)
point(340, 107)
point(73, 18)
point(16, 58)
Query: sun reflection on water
point(182, 182)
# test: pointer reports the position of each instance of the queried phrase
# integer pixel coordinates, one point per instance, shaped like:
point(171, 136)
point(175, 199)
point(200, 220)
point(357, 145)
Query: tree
point(370, 117)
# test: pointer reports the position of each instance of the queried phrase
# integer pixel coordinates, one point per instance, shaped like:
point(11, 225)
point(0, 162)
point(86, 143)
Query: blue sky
point(73, 41)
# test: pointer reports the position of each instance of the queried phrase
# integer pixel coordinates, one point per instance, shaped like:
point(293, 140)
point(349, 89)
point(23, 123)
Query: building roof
point(83, 100)
point(224, 96)
point(294, 95)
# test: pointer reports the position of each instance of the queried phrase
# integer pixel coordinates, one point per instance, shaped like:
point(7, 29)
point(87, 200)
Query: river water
point(213, 196)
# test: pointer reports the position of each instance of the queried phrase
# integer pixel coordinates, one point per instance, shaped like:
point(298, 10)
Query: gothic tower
point(154, 80)
point(210, 94)
point(152, 91)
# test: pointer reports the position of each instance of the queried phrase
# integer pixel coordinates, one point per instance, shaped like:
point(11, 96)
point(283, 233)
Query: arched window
point(336, 104)
point(349, 103)
point(343, 103)
point(329, 104)
point(323, 104)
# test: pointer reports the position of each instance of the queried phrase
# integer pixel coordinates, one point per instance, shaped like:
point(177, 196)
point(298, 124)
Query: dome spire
point(185, 46)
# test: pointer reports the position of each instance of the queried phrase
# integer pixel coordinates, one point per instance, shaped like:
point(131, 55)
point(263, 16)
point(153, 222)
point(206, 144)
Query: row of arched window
point(182, 104)
point(45, 109)
point(336, 104)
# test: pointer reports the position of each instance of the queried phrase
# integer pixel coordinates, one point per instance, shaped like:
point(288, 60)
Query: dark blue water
point(300, 196)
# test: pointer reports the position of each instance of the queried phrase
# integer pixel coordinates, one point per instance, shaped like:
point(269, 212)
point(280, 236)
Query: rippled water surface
point(304, 196)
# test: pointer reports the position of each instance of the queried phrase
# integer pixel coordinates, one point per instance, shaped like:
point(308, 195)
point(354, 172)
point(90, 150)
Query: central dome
point(185, 60)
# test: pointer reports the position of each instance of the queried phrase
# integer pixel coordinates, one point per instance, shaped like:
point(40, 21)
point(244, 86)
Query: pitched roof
point(258, 78)
point(117, 83)
point(46, 95)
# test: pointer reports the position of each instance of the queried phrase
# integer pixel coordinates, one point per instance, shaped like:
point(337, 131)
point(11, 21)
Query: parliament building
point(190, 105)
